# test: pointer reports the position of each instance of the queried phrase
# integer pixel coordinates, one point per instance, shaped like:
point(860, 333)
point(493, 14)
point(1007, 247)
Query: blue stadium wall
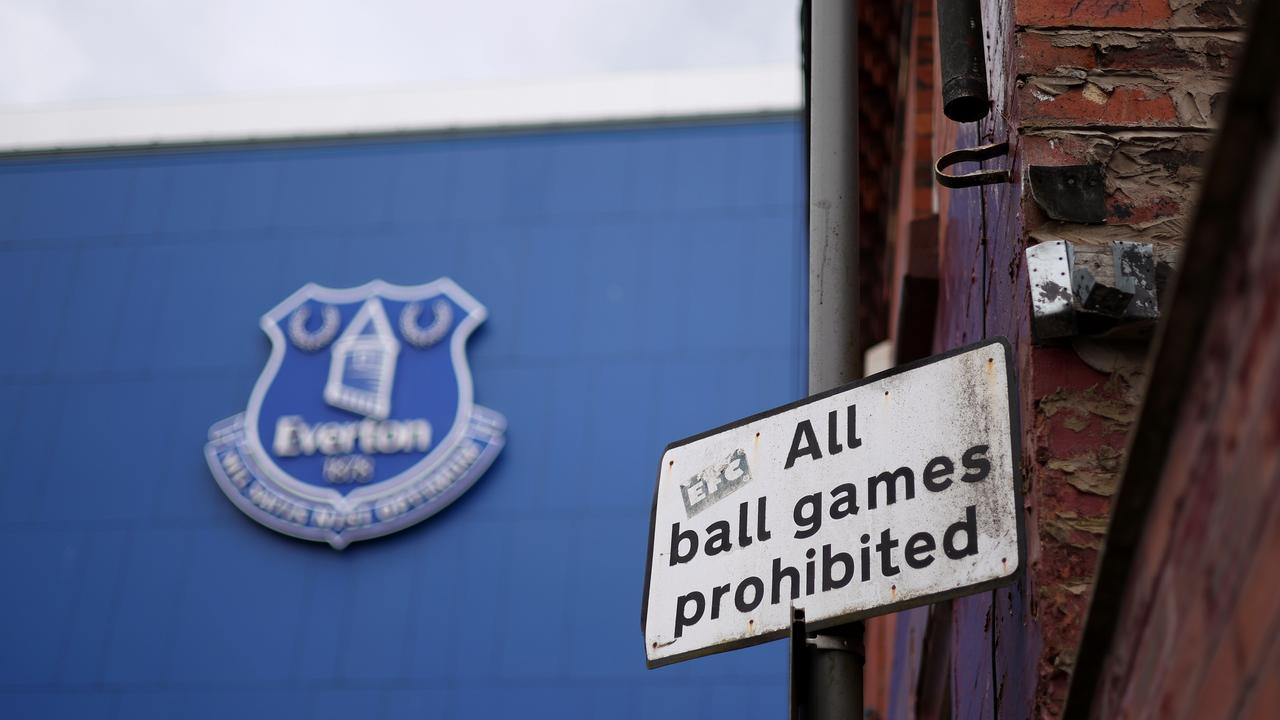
point(643, 283)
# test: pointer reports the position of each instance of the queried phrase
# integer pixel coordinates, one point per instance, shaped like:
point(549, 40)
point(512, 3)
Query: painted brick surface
point(1199, 630)
point(1131, 13)
point(1134, 86)
point(1140, 52)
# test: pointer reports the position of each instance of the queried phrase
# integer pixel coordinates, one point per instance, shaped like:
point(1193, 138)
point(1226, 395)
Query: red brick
point(1092, 13)
point(1145, 52)
point(1126, 105)
point(1123, 209)
point(1041, 53)
point(1056, 149)
point(1058, 368)
point(1146, 14)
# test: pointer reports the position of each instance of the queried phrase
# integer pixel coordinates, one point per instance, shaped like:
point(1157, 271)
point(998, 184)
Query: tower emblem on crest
point(364, 364)
point(359, 426)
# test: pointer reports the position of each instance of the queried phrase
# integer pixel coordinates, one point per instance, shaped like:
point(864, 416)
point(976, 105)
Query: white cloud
point(30, 39)
point(80, 50)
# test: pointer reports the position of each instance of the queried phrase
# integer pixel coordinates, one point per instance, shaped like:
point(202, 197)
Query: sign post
point(832, 662)
point(884, 494)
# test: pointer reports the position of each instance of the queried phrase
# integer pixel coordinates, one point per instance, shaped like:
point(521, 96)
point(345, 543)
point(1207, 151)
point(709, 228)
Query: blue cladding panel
point(643, 284)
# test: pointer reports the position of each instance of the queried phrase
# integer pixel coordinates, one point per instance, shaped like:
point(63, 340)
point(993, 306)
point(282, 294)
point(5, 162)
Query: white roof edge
point(608, 98)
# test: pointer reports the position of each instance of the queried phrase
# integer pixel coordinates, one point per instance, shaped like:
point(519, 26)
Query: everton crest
point(363, 421)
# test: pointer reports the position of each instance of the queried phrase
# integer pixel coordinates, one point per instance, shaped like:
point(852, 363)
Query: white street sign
point(892, 492)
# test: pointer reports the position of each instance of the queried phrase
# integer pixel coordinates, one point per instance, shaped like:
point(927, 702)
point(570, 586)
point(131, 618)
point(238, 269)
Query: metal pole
point(835, 673)
point(834, 656)
point(834, 353)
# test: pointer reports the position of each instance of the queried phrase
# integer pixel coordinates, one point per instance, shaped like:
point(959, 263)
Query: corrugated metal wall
point(643, 284)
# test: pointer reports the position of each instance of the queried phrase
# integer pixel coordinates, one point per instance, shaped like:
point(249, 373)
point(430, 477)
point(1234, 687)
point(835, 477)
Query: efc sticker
point(703, 490)
point(363, 421)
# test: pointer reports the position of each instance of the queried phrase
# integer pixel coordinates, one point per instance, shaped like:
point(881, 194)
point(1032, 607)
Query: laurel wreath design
point(312, 341)
point(424, 337)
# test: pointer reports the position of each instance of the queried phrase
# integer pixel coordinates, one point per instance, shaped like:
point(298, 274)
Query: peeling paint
point(1095, 94)
point(1076, 531)
point(1094, 473)
point(1159, 54)
point(1141, 103)
point(1051, 291)
point(1076, 588)
point(1120, 410)
point(1076, 423)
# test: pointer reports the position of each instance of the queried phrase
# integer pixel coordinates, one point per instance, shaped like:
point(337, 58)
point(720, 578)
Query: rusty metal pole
point(833, 658)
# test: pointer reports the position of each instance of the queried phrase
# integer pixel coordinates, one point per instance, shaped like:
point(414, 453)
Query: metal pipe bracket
point(977, 177)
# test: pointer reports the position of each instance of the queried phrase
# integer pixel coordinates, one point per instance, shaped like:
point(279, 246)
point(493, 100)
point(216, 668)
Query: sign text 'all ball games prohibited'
point(889, 493)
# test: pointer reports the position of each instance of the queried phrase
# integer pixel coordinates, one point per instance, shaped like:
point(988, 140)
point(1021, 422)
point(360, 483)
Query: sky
point(72, 52)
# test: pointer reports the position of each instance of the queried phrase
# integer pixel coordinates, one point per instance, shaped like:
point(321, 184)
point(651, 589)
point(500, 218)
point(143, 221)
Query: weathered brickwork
point(1146, 14)
point(1135, 86)
point(1186, 617)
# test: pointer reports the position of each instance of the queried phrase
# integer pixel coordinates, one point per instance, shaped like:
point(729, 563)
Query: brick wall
point(1134, 86)
point(1185, 621)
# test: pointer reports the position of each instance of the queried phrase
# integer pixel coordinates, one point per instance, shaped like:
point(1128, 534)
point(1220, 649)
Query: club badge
point(363, 421)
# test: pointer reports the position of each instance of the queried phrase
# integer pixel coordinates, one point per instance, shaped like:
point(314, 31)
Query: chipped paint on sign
point(1049, 269)
point(715, 482)
point(893, 492)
